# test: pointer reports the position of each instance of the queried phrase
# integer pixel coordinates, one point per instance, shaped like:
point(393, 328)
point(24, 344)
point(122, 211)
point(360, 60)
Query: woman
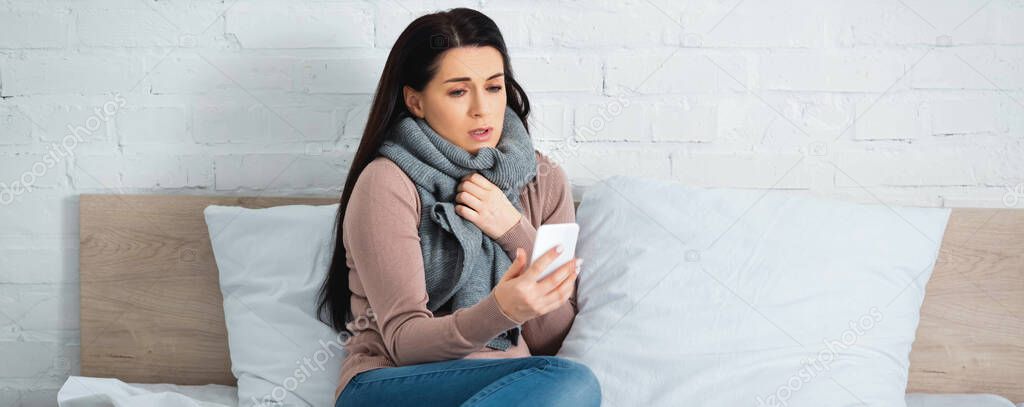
point(436, 223)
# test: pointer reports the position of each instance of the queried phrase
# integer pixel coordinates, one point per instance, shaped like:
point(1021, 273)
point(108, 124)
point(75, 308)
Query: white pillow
point(716, 297)
point(272, 262)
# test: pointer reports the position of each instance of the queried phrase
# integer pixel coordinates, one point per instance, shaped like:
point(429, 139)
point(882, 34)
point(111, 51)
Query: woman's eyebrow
point(466, 79)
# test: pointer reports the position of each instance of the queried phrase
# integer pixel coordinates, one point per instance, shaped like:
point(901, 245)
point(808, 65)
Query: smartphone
point(549, 235)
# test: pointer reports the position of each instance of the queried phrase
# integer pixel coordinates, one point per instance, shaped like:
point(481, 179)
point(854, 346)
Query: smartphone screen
point(548, 236)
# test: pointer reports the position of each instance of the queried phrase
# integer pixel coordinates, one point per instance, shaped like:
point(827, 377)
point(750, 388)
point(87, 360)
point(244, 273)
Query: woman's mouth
point(481, 134)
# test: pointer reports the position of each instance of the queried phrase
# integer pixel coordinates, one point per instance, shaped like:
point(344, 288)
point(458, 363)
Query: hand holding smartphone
point(551, 235)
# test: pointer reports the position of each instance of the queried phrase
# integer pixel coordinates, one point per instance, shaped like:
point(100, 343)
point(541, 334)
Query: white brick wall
point(908, 102)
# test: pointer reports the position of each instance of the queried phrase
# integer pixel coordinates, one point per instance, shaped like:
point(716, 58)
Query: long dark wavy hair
point(413, 61)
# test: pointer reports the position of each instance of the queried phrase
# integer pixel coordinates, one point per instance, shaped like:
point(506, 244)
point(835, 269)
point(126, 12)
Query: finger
point(554, 302)
point(542, 263)
point(482, 181)
point(474, 189)
point(518, 265)
point(468, 199)
point(470, 175)
point(551, 281)
point(564, 290)
point(466, 212)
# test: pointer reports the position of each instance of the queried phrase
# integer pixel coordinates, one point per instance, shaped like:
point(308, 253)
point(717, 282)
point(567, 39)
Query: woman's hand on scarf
point(483, 203)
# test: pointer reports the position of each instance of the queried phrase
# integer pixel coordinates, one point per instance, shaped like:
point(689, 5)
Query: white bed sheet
point(80, 391)
point(957, 400)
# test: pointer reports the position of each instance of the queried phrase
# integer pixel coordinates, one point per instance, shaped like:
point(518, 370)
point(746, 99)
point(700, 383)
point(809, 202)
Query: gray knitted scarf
point(461, 263)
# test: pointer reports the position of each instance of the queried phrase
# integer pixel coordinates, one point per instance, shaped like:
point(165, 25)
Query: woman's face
point(466, 94)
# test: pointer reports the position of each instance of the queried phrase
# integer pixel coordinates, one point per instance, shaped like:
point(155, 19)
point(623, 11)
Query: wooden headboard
point(151, 309)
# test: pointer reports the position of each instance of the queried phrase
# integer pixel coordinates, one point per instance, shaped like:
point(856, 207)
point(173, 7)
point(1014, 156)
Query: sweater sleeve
point(544, 334)
point(381, 235)
point(522, 235)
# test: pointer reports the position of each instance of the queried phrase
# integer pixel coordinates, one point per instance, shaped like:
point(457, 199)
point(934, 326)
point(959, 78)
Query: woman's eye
point(460, 92)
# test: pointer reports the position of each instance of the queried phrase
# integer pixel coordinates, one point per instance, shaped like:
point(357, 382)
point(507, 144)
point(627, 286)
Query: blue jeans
point(522, 381)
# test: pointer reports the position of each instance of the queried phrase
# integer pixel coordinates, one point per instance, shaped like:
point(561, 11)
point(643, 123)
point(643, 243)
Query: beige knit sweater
point(380, 234)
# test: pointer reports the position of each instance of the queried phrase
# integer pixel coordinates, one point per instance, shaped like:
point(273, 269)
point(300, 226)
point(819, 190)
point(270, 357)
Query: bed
point(151, 310)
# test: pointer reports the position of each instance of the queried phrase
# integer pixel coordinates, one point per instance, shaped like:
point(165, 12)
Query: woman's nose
point(479, 107)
